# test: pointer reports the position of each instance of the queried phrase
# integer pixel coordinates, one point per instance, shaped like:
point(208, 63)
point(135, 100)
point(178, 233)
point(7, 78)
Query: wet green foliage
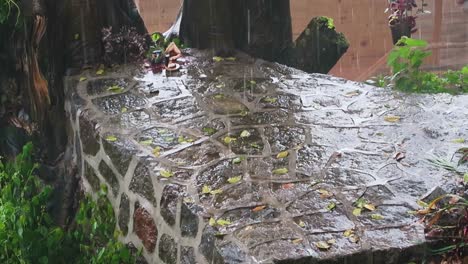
point(406, 59)
point(28, 234)
point(9, 8)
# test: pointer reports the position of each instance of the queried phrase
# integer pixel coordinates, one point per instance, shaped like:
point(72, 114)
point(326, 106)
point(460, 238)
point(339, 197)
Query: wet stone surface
point(246, 161)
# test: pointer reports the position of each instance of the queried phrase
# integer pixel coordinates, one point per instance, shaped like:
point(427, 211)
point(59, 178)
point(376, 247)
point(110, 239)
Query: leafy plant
point(406, 59)
point(126, 45)
point(8, 7)
point(28, 234)
point(401, 12)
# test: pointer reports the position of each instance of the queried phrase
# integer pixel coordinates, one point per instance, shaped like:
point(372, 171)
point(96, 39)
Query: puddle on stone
point(222, 104)
point(163, 138)
point(196, 155)
point(132, 120)
point(175, 109)
point(114, 104)
point(216, 176)
point(102, 86)
point(260, 118)
point(284, 101)
point(283, 138)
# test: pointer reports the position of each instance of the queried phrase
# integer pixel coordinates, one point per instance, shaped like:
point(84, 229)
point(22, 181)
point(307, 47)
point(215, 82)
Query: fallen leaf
point(331, 241)
point(459, 140)
point(157, 151)
point(357, 211)
point(354, 238)
point(217, 191)
point(244, 113)
point(212, 222)
point(206, 189)
point(369, 207)
point(230, 59)
point(100, 72)
point(255, 145)
point(360, 203)
point(76, 36)
point(238, 160)
point(124, 110)
point(280, 171)
point(465, 178)
point(322, 245)
point(111, 138)
point(399, 156)
point(115, 89)
point(270, 100)
point(259, 208)
point(245, 134)
point(297, 241)
point(82, 79)
point(219, 96)
point(348, 233)
point(188, 200)
point(222, 222)
point(253, 82)
point(282, 155)
point(287, 186)
point(325, 194)
point(301, 224)
point(209, 131)
point(234, 180)
point(217, 59)
point(353, 93)
point(331, 206)
point(146, 142)
point(392, 119)
point(229, 139)
point(377, 216)
point(168, 139)
point(166, 173)
point(379, 134)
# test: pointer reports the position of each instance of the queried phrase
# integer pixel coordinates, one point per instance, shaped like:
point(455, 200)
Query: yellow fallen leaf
point(82, 79)
point(302, 224)
point(282, 155)
point(353, 93)
point(157, 151)
point(280, 171)
point(324, 193)
point(230, 59)
point(212, 222)
point(348, 233)
point(377, 216)
point(166, 173)
point(459, 140)
point(124, 110)
point(188, 200)
point(297, 241)
point(222, 222)
point(322, 245)
point(392, 119)
point(245, 134)
point(369, 207)
point(146, 142)
point(331, 206)
point(331, 241)
point(206, 189)
point(111, 138)
point(100, 72)
point(217, 191)
point(217, 59)
point(234, 180)
point(229, 139)
point(353, 238)
point(357, 211)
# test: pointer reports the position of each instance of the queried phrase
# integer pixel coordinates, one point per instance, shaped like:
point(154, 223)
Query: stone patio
point(246, 161)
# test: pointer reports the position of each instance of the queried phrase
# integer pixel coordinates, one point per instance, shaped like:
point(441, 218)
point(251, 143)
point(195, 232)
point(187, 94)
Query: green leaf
point(280, 171)
point(157, 151)
point(124, 110)
point(217, 59)
point(459, 140)
point(331, 206)
point(212, 222)
point(115, 89)
point(217, 191)
point(270, 100)
point(322, 245)
point(357, 211)
point(209, 131)
point(82, 79)
point(465, 178)
point(146, 142)
point(206, 189)
point(301, 224)
point(166, 173)
point(234, 180)
point(100, 72)
point(282, 155)
point(229, 139)
point(222, 222)
point(245, 134)
point(238, 160)
point(219, 96)
point(230, 59)
point(377, 216)
point(111, 138)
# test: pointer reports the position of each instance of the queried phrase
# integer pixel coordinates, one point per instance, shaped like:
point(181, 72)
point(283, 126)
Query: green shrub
point(405, 61)
point(28, 234)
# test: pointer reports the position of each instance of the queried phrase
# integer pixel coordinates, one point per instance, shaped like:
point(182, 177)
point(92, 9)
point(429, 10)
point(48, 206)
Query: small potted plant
point(402, 22)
